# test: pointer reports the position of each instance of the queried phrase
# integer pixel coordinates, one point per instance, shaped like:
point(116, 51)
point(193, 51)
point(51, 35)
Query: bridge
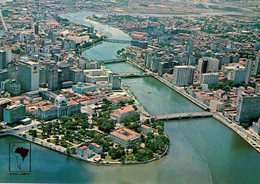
point(183, 115)
point(112, 61)
point(125, 75)
point(117, 41)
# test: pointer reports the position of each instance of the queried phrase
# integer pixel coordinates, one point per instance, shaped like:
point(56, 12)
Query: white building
point(120, 114)
point(124, 136)
point(209, 78)
point(217, 105)
point(235, 72)
point(206, 65)
point(183, 75)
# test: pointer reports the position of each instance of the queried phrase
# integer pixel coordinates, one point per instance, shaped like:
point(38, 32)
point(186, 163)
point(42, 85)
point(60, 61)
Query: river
point(202, 151)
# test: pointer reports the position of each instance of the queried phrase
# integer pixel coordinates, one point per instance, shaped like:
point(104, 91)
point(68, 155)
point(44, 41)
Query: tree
point(33, 133)
point(103, 155)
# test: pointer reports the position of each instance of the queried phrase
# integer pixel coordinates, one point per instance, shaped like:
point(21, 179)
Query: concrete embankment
point(183, 93)
point(137, 103)
point(249, 138)
point(63, 151)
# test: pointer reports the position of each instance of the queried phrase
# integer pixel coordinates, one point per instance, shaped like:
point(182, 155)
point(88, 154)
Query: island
point(114, 133)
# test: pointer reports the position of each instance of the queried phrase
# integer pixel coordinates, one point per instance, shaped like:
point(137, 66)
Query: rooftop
point(125, 133)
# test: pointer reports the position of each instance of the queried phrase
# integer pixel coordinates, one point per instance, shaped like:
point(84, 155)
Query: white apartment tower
point(183, 75)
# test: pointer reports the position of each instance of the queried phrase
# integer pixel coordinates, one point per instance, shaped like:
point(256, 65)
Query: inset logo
point(19, 157)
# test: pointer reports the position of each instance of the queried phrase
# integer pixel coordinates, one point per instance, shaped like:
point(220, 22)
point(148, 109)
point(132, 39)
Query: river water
point(202, 151)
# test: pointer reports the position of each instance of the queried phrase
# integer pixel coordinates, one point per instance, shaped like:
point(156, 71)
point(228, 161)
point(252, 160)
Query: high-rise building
point(12, 86)
point(257, 88)
point(43, 76)
point(141, 44)
point(51, 36)
point(257, 64)
point(206, 65)
point(189, 47)
point(183, 75)
point(4, 102)
point(155, 64)
point(3, 63)
point(14, 113)
point(209, 78)
point(3, 75)
point(249, 65)
point(8, 55)
point(91, 29)
point(36, 29)
point(12, 70)
point(163, 67)
point(148, 59)
point(248, 107)
point(235, 72)
point(116, 82)
point(76, 75)
point(28, 75)
point(53, 79)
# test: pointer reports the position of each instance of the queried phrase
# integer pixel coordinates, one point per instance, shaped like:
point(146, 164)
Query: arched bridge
point(183, 115)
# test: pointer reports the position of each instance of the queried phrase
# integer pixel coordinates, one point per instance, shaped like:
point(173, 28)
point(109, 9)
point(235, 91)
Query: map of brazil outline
point(19, 157)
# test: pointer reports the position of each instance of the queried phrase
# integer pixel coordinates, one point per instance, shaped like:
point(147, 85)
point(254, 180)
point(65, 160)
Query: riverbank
point(249, 138)
point(62, 150)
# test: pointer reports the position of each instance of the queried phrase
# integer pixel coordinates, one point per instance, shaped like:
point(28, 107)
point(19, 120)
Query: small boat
point(149, 91)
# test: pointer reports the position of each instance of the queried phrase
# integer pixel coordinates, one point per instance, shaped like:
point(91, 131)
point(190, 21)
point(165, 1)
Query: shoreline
point(216, 115)
point(105, 163)
point(220, 117)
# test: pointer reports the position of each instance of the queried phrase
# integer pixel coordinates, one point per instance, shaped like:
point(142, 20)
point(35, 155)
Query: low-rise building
point(120, 114)
point(61, 107)
point(209, 78)
point(145, 128)
point(104, 85)
point(217, 105)
point(124, 136)
point(95, 147)
point(220, 93)
point(83, 87)
point(84, 151)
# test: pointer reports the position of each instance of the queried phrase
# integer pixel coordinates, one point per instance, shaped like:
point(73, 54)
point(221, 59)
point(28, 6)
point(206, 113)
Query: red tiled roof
point(82, 147)
point(95, 144)
point(126, 109)
point(119, 133)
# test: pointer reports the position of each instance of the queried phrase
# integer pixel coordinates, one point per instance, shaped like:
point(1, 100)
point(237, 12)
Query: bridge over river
point(183, 115)
point(118, 41)
point(124, 75)
point(112, 61)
